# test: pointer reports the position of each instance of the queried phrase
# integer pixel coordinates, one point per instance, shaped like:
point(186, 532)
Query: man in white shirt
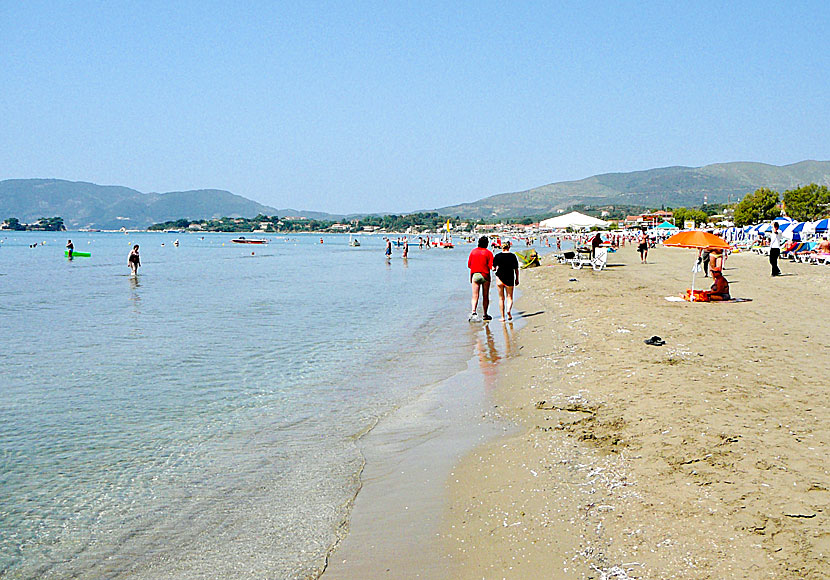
point(774, 249)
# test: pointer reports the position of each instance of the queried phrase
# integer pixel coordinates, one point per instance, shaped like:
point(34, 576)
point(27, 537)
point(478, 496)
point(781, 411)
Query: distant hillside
point(667, 186)
point(86, 205)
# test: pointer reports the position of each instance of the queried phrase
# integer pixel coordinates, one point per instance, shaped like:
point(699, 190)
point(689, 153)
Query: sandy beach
point(703, 458)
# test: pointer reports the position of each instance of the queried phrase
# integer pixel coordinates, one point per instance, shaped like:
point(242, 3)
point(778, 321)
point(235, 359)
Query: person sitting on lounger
point(720, 288)
point(823, 247)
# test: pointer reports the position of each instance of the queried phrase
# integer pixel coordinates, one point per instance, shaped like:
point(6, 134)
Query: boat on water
point(446, 239)
point(354, 242)
point(244, 240)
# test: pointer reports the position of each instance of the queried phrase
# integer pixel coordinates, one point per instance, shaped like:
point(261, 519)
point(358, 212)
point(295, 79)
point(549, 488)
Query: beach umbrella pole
point(694, 273)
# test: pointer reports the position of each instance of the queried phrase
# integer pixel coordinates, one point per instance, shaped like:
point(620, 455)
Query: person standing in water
point(70, 248)
point(134, 260)
point(405, 248)
point(480, 263)
point(388, 250)
point(506, 266)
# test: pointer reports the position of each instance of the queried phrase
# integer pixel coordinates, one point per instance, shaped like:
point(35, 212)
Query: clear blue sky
point(397, 106)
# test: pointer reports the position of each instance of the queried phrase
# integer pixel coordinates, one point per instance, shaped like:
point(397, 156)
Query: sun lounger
point(598, 262)
point(818, 259)
point(563, 257)
point(797, 252)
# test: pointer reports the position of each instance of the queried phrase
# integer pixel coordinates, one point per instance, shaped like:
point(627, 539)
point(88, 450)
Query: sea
point(203, 419)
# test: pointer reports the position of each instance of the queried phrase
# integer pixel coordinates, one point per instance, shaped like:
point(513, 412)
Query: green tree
point(683, 214)
point(756, 207)
point(13, 224)
point(807, 203)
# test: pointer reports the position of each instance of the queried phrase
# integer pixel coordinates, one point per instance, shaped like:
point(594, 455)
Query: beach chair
point(598, 262)
point(818, 259)
point(569, 257)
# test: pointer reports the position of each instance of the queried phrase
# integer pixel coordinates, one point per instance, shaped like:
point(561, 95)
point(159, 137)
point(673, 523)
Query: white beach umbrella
point(793, 231)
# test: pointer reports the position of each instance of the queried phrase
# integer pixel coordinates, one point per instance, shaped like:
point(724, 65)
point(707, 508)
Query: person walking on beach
point(506, 266)
point(642, 247)
point(716, 261)
point(70, 248)
point(704, 260)
point(480, 262)
point(774, 249)
point(134, 260)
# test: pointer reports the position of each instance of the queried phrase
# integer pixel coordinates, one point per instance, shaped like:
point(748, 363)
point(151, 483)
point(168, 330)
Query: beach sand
point(707, 457)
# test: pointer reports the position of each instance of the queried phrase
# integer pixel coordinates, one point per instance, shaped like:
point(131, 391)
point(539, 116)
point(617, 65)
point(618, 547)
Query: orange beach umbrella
point(697, 239)
point(700, 241)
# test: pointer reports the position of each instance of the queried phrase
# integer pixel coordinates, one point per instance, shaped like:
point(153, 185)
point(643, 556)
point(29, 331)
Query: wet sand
point(707, 457)
point(395, 524)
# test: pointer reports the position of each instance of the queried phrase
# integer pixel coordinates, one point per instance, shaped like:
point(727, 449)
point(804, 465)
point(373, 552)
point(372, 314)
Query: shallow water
point(200, 420)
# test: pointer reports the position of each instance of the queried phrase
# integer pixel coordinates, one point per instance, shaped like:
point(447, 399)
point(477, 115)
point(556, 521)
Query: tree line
point(52, 224)
point(806, 203)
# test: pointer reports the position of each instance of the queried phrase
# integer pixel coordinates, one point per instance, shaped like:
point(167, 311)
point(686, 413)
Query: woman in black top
point(506, 266)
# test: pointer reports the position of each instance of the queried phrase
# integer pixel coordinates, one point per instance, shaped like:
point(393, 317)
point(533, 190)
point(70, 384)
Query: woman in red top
point(480, 263)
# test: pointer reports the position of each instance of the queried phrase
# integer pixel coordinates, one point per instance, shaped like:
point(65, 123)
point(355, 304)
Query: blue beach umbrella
point(821, 225)
point(793, 231)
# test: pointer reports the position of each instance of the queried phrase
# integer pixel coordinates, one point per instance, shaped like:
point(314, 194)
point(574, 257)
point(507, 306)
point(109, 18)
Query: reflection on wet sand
point(492, 347)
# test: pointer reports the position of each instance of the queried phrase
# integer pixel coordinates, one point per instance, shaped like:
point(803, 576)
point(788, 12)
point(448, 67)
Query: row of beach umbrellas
point(789, 228)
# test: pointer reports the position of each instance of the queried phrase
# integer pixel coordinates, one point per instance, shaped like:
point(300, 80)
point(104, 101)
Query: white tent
point(574, 220)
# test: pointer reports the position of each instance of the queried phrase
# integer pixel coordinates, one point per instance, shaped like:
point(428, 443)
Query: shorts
point(479, 278)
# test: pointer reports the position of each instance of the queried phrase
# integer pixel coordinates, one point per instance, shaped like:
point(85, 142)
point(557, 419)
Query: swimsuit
point(506, 265)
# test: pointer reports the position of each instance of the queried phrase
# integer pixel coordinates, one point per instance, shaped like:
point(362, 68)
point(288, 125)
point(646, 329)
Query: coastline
point(393, 528)
point(702, 458)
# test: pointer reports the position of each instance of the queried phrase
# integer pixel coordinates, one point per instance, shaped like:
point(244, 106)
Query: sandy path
point(704, 458)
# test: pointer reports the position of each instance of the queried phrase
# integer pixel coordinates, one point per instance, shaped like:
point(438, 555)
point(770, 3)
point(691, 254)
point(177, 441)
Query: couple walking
point(506, 265)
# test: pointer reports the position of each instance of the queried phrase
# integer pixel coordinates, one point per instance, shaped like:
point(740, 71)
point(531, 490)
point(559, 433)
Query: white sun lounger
point(598, 262)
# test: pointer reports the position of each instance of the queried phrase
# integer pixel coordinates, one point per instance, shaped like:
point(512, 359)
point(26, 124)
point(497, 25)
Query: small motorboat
point(354, 242)
point(244, 240)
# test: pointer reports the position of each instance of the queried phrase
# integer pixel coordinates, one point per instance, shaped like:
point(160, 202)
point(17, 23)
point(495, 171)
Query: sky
point(399, 106)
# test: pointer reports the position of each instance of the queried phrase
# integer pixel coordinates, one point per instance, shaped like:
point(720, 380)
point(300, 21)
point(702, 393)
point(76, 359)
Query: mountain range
point(666, 186)
point(87, 205)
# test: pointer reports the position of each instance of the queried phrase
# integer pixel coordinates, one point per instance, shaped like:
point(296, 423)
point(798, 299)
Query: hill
point(666, 186)
point(87, 205)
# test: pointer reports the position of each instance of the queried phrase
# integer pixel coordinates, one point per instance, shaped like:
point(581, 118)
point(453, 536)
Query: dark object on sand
point(655, 341)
